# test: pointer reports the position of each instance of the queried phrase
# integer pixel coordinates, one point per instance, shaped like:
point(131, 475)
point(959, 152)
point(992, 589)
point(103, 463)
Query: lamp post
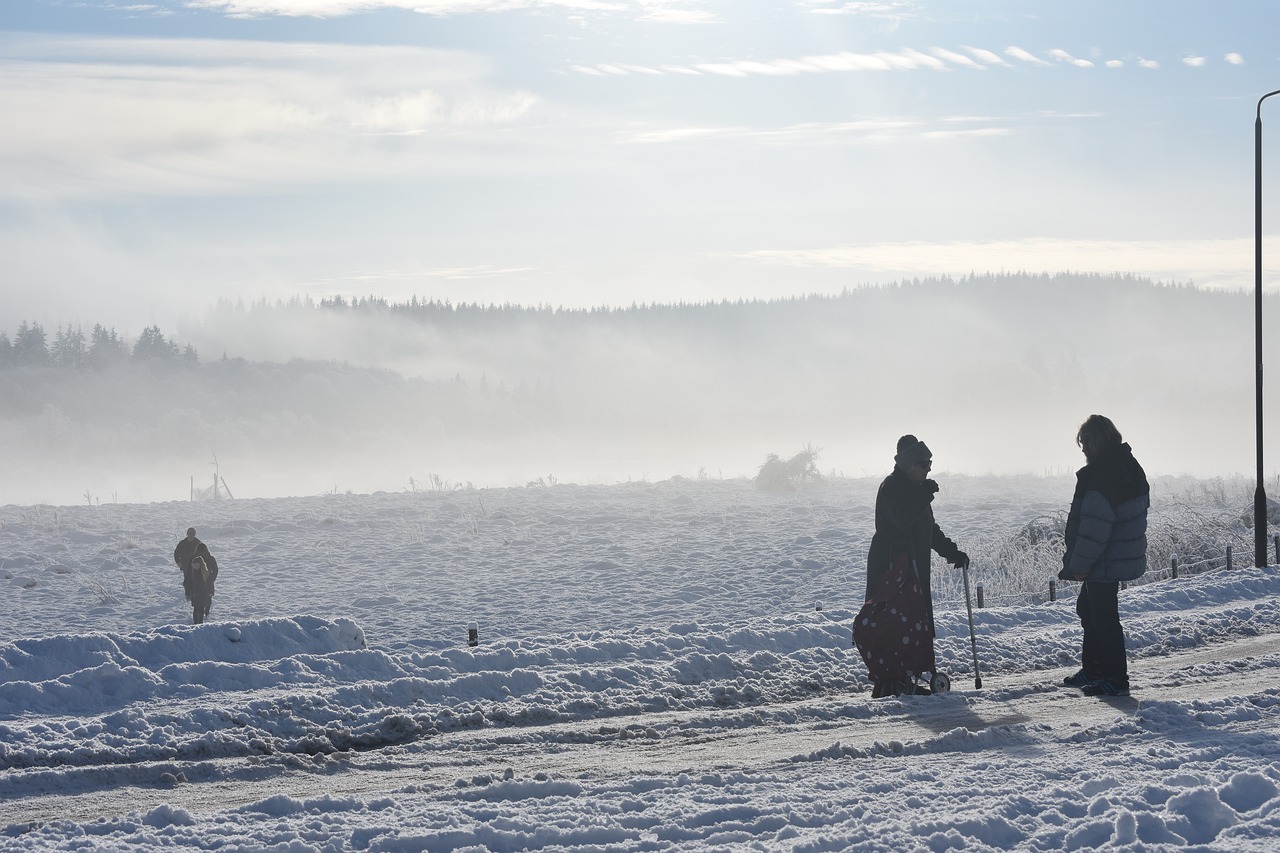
point(1260, 494)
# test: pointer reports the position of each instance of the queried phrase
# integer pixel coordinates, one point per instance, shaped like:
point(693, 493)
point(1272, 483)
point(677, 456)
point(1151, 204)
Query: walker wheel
point(940, 683)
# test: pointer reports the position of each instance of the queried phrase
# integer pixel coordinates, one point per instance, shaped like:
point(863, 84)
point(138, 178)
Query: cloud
point(879, 131)
point(440, 8)
point(987, 56)
point(955, 58)
point(1063, 56)
point(893, 10)
point(139, 116)
point(675, 12)
point(907, 59)
point(656, 11)
point(969, 133)
point(1024, 56)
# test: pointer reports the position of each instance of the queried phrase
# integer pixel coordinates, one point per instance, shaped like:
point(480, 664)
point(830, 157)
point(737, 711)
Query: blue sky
point(603, 152)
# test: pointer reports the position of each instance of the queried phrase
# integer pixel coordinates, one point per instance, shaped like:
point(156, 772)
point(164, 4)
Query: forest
point(304, 396)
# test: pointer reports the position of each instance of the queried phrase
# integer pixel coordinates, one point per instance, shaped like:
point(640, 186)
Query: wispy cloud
point(1063, 56)
point(987, 56)
point(955, 58)
point(441, 8)
point(966, 133)
point(1194, 61)
point(659, 11)
point(893, 10)
point(907, 59)
point(877, 131)
point(1234, 59)
point(675, 12)
point(203, 115)
point(1024, 56)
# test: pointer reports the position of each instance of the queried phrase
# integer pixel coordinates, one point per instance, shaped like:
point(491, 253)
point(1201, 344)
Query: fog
point(994, 372)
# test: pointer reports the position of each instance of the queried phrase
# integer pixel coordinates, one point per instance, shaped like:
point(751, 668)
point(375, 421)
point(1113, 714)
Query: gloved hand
point(931, 486)
point(960, 560)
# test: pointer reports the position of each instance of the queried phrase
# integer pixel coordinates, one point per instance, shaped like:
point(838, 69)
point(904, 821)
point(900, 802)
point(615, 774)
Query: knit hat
point(910, 451)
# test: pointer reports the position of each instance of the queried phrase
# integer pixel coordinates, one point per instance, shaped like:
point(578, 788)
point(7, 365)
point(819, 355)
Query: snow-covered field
point(661, 666)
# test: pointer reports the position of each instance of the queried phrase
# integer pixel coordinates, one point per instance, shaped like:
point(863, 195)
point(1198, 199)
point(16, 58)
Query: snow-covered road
point(1023, 713)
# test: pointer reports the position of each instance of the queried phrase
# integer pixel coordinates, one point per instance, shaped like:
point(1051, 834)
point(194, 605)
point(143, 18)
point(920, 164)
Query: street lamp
point(1259, 494)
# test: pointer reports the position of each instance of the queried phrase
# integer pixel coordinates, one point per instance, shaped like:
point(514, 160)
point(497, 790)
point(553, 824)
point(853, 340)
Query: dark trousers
point(1103, 653)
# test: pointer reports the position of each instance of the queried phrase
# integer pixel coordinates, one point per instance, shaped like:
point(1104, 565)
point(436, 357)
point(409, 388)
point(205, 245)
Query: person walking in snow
point(906, 531)
point(183, 555)
point(186, 549)
point(202, 551)
point(200, 582)
point(200, 588)
point(1106, 543)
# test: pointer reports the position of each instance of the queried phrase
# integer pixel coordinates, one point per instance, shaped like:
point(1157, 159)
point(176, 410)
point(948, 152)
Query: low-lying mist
point(994, 372)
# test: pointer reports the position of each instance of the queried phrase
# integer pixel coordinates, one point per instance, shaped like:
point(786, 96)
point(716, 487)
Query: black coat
point(185, 551)
point(904, 524)
point(211, 564)
point(1106, 533)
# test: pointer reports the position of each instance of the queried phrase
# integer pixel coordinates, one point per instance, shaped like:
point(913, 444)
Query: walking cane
point(973, 640)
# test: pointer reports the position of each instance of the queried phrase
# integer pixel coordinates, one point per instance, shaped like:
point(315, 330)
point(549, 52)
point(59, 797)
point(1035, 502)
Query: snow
point(660, 666)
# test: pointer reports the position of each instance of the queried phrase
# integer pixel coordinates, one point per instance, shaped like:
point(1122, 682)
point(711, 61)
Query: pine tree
point(105, 347)
point(31, 345)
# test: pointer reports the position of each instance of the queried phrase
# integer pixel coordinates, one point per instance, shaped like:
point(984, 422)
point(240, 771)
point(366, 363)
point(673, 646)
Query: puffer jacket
point(1106, 535)
point(904, 524)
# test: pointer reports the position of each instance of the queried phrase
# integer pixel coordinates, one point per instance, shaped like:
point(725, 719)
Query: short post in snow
point(1173, 567)
point(1277, 541)
point(1053, 590)
point(1228, 558)
point(473, 634)
point(979, 596)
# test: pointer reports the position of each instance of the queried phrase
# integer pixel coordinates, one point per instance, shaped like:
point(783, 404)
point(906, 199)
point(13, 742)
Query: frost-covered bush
point(1194, 522)
point(789, 475)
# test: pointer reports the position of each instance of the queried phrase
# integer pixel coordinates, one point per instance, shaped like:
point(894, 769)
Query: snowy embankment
point(305, 685)
point(261, 730)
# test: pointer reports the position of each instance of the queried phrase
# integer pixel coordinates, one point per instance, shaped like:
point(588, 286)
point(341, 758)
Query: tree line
point(102, 347)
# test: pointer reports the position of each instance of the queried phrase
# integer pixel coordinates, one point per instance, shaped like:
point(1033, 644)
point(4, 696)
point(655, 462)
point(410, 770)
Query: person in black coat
point(905, 524)
point(1106, 543)
point(186, 550)
point(182, 556)
point(202, 551)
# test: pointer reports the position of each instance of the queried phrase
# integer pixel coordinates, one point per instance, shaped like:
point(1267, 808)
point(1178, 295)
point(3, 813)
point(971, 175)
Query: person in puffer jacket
point(1106, 543)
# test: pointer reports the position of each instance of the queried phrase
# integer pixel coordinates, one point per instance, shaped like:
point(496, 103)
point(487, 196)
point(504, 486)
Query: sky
point(167, 154)
point(658, 667)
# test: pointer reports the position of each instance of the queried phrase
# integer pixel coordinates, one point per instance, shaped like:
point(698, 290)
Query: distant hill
point(994, 371)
